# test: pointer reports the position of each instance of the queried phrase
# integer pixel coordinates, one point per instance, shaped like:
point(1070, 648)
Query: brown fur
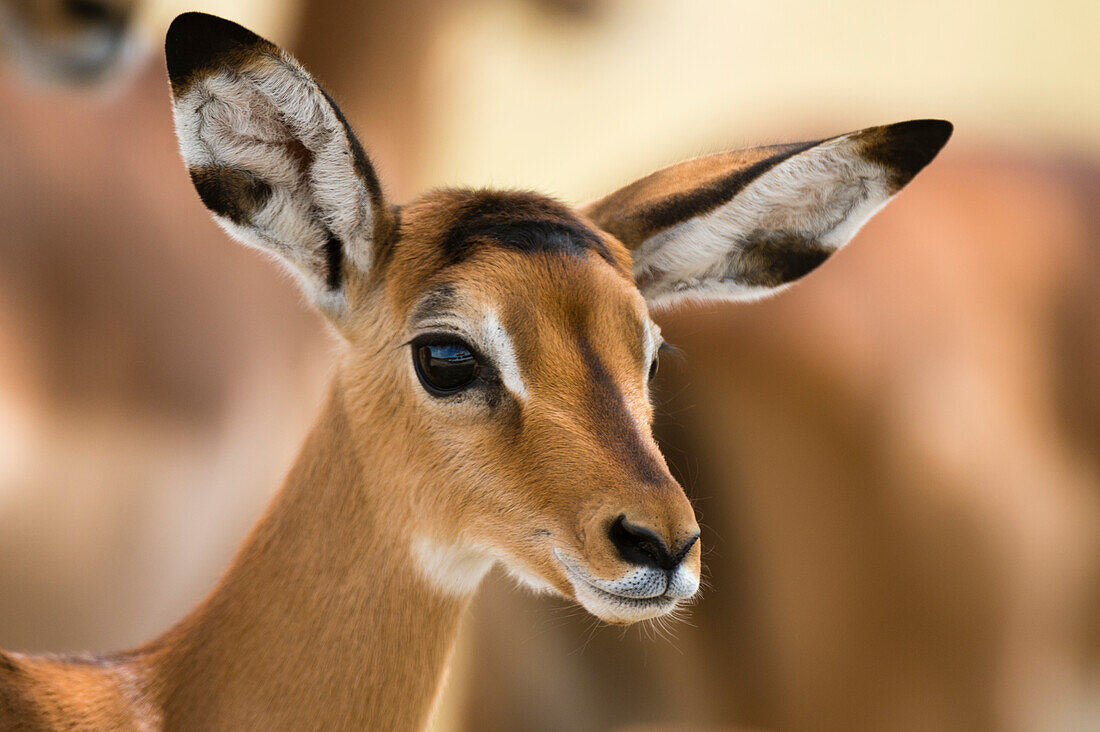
point(323, 621)
point(331, 616)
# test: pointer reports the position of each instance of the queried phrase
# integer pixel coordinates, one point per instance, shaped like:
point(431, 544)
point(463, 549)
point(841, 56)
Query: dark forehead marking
point(521, 221)
point(439, 299)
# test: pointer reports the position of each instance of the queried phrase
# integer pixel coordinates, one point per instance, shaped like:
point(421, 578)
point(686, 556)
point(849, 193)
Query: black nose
point(641, 545)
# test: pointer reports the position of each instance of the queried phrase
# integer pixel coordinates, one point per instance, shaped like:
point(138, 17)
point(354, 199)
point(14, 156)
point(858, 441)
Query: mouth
point(613, 607)
point(657, 605)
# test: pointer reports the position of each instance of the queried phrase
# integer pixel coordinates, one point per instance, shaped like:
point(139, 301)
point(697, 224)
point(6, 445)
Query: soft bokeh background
point(897, 463)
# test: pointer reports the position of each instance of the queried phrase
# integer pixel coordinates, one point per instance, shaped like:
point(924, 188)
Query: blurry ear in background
point(739, 225)
point(272, 156)
point(70, 42)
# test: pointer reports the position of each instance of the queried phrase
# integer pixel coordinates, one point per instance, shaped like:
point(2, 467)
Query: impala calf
point(70, 41)
point(490, 402)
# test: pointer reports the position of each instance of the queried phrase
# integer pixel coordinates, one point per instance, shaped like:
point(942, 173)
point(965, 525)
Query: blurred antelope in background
point(69, 41)
point(489, 405)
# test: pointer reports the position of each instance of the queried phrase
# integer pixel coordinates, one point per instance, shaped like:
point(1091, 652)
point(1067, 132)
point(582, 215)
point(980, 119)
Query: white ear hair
point(742, 225)
point(271, 155)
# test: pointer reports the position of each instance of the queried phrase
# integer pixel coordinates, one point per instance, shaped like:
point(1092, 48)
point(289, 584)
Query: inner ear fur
point(272, 156)
point(740, 224)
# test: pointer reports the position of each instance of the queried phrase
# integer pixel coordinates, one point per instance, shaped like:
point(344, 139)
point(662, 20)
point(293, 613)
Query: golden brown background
point(896, 464)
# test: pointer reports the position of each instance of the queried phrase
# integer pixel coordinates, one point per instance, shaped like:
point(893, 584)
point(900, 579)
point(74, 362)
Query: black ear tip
point(905, 148)
point(197, 40)
point(203, 28)
point(187, 22)
point(925, 132)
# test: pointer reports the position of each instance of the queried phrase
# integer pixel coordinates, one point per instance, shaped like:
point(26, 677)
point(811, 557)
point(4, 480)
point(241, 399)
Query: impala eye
point(445, 365)
point(653, 367)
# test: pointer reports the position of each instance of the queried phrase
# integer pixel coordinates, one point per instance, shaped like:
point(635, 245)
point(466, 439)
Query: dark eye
point(445, 366)
point(653, 367)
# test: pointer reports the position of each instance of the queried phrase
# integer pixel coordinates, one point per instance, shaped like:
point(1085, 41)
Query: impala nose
point(643, 546)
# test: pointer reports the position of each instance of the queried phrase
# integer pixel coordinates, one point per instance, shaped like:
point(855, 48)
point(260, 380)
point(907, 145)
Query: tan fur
point(323, 621)
point(342, 605)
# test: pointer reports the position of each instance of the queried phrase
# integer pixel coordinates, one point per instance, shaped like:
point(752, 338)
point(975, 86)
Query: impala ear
point(739, 225)
point(272, 156)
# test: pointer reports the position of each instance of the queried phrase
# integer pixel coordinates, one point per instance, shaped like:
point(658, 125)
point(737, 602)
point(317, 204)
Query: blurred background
point(896, 464)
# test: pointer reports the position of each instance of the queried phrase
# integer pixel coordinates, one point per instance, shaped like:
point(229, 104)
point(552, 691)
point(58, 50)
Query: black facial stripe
point(687, 205)
point(520, 221)
point(608, 416)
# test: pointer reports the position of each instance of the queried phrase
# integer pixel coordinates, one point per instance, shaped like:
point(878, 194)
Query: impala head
point(72, 41)
point(504, 340)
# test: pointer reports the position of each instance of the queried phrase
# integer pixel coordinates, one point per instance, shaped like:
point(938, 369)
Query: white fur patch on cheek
point(452, 569)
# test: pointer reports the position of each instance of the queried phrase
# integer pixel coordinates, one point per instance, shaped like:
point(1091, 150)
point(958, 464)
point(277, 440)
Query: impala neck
point(323, 621)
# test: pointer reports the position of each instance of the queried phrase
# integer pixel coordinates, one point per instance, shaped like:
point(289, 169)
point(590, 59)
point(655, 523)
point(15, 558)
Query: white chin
point(622, 610)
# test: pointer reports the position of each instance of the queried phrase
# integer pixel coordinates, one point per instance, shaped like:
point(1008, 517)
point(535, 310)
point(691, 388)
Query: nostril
point(641, 545)
point(686, 547)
